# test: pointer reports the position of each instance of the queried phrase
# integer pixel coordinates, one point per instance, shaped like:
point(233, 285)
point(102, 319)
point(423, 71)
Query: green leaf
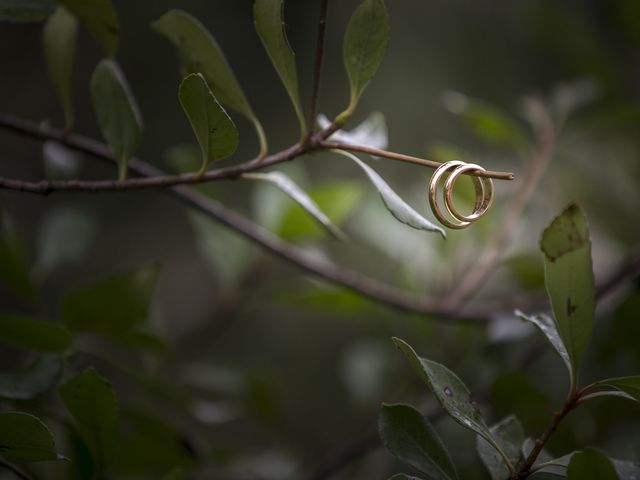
point(24, 438)
point(591, 463)
point(117, 112)
point(301, 197)
point(29, 334)
point(509, 434)
point(372, 132)
point(403, 212)
point(268, 16)
point(411, 438)
point(59, 40)
point(569, 280)
point(26, 10)
point(99, 18)
point(625, 387)
point(199, 52)
point(216, 133)
point(92, 403)
point(30, 382)
point(175, 474)
point(548, 328)
point(365, 44)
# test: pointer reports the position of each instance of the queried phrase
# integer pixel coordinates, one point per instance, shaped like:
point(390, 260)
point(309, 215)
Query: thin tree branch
point(317, 72)
point(17, 471)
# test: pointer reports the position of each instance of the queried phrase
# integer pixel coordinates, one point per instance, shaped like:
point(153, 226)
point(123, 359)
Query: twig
point(317, 72)
point(17, 471)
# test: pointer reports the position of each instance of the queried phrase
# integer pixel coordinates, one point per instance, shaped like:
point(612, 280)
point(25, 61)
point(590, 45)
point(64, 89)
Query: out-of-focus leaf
point(268, 16)
point(487, 121)
point(24, 438)
point(509, 434)
point(29, 334)
point(60, 162)
point(372, 132)
point(301, 197)
point(365, 44)
point(59, 39)
point(36, 379)
point(591, 463)
point(216, 133)
point(411, 438)
point(337, 200)
point(569, 280)
point(625, 387)
point(99, 18)
point(402, 211)
point(14, 265)
point(26, 10)
point(175, 474)
point(92, 403)
point(569, 97)
point(117, 112)
point(364, 367)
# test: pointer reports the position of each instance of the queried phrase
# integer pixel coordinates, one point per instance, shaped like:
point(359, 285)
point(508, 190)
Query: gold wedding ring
point(483, 189)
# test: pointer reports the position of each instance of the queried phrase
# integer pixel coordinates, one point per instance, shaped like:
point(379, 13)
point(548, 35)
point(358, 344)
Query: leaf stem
point(317, 72)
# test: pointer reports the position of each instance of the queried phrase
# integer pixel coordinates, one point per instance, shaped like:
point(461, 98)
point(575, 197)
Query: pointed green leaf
point(59, 39)
point(509, 434)
point(24, 438)
point(365, 44)
point(92, 403)
point(26, 10)
point(99, 18)
point(29, 334)
point(36, 379)
point(411, 438)
point(175, 474)
point(117, 112)
point(216, 133)
point(591, 463)
point(301, 197)
point(402, 211)
point(569, 280)
point(268, 16)
point(548, 328)
point(625, 387)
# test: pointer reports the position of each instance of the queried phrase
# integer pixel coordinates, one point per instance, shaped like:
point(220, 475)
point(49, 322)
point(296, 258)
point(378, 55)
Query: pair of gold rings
point(483, 187)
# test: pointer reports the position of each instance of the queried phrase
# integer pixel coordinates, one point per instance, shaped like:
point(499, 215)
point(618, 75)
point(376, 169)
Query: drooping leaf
point(216, 133)
point(268, 17)
point(92, 403)
point(547, 326)
point(509, 434)
point(569, 280)
point(117, 112)
point(175, 474)
point(301, 197)
point(411, 438)
point(24, 438)
point(99, 18)
point(199, 52)
point(25, 10)
point(365, 44)
point(372, 132)
point(29, 334)
point(396, 206)
point(591, 463)
point(36, 379)
point(625, 387)
point(59, 40)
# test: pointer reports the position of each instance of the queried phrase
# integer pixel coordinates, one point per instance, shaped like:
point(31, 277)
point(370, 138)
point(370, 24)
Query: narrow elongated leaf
point(509, 434)
point(99, 18)
point(26, 10)
point(365, 44)
point(92, 403)
point(591, 463)
point(301, 197)
point(216, 133)
point(402, 211)
point(24, 438)
point(411, 438)
point(32, 381)
point(59, 39)
point(372, 132)
point(625, 387)
point(117, 112)
point(268, 17)
point(569, 280)
point(548, 328)
point(29, 334)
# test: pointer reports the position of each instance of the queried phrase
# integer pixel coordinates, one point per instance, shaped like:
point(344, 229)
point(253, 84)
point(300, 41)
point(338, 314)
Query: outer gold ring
point(433, 191)
point(484, 193)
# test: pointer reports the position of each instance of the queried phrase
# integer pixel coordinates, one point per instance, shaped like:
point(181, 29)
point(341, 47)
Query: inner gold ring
point(483, 188)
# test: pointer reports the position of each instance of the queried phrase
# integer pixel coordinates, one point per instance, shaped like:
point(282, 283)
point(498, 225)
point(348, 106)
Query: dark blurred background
point(268, 373)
